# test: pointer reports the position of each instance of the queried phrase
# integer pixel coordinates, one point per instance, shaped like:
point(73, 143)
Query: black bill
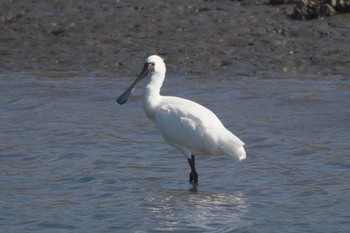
point(123, 98)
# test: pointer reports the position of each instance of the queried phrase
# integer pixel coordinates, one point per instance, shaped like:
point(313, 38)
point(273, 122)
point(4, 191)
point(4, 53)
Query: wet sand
point(111, 38)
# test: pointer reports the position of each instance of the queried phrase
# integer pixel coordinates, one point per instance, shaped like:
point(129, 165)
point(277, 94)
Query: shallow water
point(72, 160)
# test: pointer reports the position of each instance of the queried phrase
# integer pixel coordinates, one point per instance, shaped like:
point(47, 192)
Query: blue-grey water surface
point(72, 160)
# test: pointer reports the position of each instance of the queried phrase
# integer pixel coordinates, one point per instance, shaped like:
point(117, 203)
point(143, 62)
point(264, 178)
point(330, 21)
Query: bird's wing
point(187, 124)
point(192, 128)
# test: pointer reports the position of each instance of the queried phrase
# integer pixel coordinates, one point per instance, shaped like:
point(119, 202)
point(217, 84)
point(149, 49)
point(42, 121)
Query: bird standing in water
point(187, 126)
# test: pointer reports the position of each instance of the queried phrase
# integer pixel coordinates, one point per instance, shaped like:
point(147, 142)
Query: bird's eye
point(151, 65)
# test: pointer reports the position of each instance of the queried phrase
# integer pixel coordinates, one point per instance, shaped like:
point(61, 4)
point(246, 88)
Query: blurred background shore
point(113, 37)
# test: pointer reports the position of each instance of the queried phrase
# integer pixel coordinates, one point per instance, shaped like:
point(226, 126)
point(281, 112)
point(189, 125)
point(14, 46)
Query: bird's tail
point(232, 146)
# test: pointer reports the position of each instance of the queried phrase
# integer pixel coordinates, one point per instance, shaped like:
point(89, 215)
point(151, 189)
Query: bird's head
point(153, 64)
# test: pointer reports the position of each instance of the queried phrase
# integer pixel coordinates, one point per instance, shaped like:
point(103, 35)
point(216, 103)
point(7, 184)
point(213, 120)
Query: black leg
point(193, 175)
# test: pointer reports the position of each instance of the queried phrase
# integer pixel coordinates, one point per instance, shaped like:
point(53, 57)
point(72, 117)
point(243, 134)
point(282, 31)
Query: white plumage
point(184, 124)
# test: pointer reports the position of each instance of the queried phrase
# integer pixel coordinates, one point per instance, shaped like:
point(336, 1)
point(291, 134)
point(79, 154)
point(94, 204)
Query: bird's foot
point(193, 178)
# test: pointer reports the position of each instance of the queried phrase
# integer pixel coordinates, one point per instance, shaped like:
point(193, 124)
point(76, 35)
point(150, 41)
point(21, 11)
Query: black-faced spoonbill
point(184, 124)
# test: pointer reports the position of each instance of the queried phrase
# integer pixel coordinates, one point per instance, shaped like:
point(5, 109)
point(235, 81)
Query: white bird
point(187, 126)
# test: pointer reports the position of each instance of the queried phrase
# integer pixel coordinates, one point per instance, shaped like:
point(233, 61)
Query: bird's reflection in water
point(193, 189)
point(198, 210)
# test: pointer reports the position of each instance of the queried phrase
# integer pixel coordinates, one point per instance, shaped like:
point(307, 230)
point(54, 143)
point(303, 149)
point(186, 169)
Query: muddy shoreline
point(111, 38)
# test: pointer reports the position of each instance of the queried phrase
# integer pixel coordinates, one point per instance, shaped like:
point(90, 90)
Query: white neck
point(151, 94)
